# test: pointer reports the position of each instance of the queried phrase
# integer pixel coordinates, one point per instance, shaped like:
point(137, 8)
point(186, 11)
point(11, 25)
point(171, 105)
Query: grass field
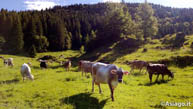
point(55, 88)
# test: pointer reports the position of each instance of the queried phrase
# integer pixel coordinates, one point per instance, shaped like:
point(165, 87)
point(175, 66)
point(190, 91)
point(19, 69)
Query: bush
point(175, 40)
point(32, 51)
point(41, 43)
point(82, 49)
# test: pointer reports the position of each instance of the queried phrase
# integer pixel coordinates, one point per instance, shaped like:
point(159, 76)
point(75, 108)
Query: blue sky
point(42, 4)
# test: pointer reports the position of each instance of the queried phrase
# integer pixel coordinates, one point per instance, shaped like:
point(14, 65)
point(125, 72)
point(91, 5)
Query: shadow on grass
point(157, 82)
point(10, 81)
point(83, 101)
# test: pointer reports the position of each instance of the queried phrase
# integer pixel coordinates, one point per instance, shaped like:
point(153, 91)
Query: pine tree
point(30, 34)
point(39, 28)
point(68, 43)
point(17, 36)
point(2, 42)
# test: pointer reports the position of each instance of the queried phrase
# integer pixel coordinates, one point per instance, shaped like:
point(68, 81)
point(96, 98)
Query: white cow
point(107, 74)
point(26, 72)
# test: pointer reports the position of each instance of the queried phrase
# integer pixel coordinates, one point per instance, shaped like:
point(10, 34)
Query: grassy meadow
point(58, 89)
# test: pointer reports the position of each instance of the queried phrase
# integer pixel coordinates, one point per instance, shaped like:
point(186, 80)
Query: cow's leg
point(157, 77)
point(140, 70)
point(99, 88)
point(150, 77)
point(112, 90)
point(162, 77)
point(93, 85)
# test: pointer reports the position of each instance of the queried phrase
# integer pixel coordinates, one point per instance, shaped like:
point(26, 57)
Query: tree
point(30, 34)
point(118, 22)
point(2, 42)
point(41, 43)
point(17, 36)
point(149, 23)
point(68, 43)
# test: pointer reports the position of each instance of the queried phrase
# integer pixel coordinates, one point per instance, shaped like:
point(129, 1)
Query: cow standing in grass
point(8, 61)
point(158, 69)
point(107, 74)
point(85, 66)
point(137, 64)
point(67, 65)
point(26, 72)
point(43, 63)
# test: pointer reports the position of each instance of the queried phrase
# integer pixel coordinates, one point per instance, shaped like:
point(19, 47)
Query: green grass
point(55, 88)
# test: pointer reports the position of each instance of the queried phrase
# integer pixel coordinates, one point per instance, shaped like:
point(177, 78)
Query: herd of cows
point(101, 72)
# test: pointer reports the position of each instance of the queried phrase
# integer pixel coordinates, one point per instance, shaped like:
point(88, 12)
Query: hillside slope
point(56, 88)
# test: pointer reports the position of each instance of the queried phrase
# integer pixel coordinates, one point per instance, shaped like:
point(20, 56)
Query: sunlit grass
point(56, 88)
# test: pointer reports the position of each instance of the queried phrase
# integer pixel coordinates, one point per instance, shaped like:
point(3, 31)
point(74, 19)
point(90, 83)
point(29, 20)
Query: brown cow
point(67, 65)
point(85, 66)
point(8, 61)
point(137, 64)
point(158, 69)
point(107, 74)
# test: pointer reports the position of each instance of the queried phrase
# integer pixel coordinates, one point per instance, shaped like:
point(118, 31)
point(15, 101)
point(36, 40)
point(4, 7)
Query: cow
point(43, 64)
point(137, 64)
point(26, 72)
point(67, 65)
point(8, 61)
point(85, 66)
point(158, 69)
point(107, 74)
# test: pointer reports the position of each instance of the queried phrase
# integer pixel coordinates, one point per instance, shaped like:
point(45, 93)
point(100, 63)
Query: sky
point(43, 4)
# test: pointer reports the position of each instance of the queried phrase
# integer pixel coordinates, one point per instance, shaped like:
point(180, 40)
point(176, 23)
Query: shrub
point(32, 51)
point(175, 40)
point(82, 49)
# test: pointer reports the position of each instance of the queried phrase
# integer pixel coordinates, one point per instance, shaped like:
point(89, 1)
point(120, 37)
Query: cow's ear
point(126, 72)
point(114, 72)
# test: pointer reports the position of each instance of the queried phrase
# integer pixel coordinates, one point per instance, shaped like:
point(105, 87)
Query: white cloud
point(39, 4)
point(111, 0)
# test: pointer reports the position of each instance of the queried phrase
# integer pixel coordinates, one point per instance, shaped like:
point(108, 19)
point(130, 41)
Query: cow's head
point(119, 73)
point(31, 77)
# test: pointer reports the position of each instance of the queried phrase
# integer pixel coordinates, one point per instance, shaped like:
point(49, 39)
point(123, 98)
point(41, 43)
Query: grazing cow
point(67, 65)
point(8, 61)
point(43, 64)
point(137, 64)
point(107, 74)
point(26, 72)
point(158, 69)
point(85, 66)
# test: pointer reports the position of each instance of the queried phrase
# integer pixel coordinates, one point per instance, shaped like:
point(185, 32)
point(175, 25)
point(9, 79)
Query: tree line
point(88, 26)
